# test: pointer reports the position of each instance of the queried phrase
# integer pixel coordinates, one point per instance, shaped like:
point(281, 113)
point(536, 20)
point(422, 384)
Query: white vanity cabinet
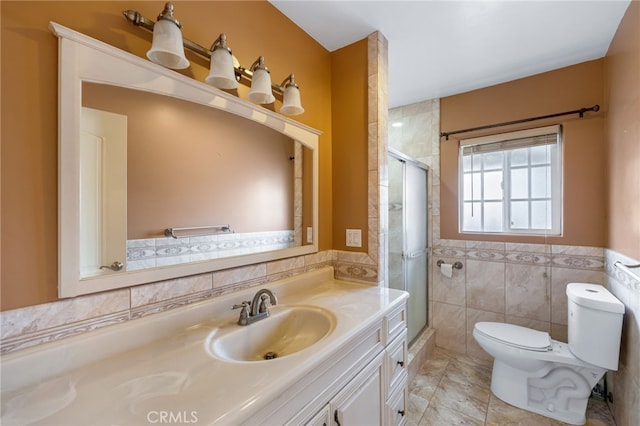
point(370, 391)
point(360, 402)
point(396, 404)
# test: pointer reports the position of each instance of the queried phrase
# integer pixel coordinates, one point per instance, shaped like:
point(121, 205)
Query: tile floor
point(452, 389)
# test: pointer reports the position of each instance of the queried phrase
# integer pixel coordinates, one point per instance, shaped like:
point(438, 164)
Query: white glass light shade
point(166, 48)
point(261, 87)
point(221, 74)
point(291, 104)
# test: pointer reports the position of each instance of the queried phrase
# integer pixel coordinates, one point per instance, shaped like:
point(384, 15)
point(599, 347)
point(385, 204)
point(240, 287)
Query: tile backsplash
point(33, 325)
point(153, 252)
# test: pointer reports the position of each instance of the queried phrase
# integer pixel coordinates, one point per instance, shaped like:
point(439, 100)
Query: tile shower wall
point(418, 138)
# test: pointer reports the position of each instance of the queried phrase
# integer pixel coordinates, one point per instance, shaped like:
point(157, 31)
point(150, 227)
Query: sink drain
point(270, 355)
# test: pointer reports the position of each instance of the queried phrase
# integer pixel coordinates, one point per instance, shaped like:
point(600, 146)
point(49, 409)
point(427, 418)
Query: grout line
point(451, 358)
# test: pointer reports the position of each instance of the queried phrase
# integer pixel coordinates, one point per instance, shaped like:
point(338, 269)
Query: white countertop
point(170, 372)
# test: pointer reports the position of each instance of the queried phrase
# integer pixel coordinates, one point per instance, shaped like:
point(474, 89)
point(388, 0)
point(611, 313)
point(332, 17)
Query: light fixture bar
point(139, 20)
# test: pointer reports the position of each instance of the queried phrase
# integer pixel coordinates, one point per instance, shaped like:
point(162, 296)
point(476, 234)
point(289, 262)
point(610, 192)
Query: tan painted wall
point(350, 148)
point(622, 135)
point(29, 109)
point(622, 88)
point(584, 177)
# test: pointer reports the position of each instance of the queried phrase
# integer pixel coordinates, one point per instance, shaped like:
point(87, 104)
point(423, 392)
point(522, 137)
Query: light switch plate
point(354, 238)
point(309, 235)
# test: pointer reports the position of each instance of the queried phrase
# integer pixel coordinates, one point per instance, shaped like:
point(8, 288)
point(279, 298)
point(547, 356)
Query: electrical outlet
point(354, 238)
point(309, 234)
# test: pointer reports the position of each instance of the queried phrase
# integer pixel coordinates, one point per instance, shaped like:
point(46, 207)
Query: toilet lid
point(515, 335)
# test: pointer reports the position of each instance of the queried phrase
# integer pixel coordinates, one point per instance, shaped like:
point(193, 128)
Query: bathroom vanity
point(340, 352)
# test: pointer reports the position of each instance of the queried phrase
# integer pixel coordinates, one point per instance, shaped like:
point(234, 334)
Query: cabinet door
point(396, 361)
point(320, 419)
point(360, 402)
point(397, 406)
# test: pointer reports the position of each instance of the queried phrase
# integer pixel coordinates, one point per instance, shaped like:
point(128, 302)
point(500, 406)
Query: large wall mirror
point(162, 176)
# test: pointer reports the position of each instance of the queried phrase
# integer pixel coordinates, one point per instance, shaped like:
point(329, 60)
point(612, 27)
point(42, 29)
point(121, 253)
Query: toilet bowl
point(536, 373)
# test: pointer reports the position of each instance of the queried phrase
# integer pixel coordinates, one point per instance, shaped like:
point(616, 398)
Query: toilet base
point(557, 391)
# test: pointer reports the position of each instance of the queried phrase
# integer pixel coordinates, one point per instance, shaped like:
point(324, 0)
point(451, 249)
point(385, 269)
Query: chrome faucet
point(257, 309)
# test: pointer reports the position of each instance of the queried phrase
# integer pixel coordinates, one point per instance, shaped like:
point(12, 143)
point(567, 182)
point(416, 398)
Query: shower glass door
point(408, 236)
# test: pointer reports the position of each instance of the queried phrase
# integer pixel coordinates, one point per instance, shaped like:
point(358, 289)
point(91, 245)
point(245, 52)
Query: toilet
point(536, 373)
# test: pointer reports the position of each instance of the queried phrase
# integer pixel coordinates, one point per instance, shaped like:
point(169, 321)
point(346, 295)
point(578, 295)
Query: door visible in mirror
point(225, 185)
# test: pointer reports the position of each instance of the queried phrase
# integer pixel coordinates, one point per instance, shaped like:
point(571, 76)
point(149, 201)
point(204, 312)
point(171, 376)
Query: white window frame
point(504, 142)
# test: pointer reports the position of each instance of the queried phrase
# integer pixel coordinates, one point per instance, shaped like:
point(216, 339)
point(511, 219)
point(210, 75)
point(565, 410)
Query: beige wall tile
point(36, 318)
point(577, 250)
point(450, 324)
point(448, 290)
point(486, 285)
point(527, 248)
point(527, 292)
point(166, 290)
point(284, 265)
point(559, 332)
point(529, 323)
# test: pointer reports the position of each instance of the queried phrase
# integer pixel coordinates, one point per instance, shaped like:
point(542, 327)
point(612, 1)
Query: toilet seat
point(516, 336)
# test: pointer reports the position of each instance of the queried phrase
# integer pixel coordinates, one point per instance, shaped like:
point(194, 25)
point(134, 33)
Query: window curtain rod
point(580, 111)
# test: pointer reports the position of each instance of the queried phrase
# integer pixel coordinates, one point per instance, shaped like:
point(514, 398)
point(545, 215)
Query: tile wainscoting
point(33, 325)
point(525, 284)
point(624, 384)
point(522, 284)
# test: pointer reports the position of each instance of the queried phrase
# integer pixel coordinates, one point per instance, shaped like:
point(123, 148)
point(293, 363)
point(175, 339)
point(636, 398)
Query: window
point(511, 183)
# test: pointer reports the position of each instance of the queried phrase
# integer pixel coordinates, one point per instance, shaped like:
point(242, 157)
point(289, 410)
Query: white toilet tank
point(595, 324)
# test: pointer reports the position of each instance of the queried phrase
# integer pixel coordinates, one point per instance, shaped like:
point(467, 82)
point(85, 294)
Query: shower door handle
point(413, 254)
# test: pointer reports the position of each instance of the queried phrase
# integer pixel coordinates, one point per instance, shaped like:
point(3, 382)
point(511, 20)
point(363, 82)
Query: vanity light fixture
point(225, 72)
point(222, 74)
point(166, 47)
point(291, 99)
point(261, 83)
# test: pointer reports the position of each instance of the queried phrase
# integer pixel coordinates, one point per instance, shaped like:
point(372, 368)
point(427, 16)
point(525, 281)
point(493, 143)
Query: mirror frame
point(82, 58)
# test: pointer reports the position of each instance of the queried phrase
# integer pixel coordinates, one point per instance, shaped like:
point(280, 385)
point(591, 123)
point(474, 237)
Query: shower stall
point(408, 238)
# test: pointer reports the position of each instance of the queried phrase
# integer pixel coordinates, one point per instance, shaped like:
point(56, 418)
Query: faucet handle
point(244, 313)
point(243, 304)
point(262, 307)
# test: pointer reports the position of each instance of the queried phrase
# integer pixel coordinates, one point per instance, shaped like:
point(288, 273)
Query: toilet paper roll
point(446, 269)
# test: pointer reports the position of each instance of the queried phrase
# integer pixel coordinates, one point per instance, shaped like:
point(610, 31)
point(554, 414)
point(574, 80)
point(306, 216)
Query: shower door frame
point(397, 155)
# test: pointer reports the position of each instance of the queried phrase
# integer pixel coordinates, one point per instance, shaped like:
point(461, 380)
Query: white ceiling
point(441, 48)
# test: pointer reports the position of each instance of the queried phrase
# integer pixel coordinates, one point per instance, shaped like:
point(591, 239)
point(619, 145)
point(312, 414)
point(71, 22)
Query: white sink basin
point(287, 330)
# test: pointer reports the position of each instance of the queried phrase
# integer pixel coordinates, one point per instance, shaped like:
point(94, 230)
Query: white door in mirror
point(103, 205)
